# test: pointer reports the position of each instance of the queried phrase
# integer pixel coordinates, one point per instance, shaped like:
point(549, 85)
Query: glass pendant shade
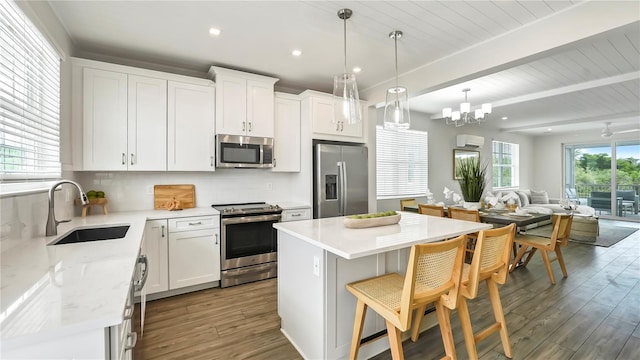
point(396, 109)
point(346, 102)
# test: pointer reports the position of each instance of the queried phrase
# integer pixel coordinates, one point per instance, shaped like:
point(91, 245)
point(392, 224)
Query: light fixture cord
point(344, 18)
point(395, 38)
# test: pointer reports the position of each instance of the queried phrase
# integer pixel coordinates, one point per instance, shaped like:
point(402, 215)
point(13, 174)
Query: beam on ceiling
point(604, 118)
point(578, 22)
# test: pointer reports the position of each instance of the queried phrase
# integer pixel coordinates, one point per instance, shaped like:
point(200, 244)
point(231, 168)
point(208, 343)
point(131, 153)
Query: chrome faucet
point(52, 223)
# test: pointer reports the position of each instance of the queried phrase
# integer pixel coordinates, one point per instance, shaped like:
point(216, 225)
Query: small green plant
point(472, 182)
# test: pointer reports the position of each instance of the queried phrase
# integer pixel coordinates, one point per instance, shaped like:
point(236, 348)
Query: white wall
point(442, 141)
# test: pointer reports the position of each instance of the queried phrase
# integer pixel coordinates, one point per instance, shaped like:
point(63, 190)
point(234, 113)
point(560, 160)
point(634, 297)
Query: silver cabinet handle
point(162, 230)
point(216, 239)
point(124, 159)
point(250, 126)
point(140, 283)
point(274, 162)
point(341, 126)
point(132, 343)
point(132, 159)
point(211, 161)
point(243, 127)
point(296, 215)
point(195, 223)
point(338, 126)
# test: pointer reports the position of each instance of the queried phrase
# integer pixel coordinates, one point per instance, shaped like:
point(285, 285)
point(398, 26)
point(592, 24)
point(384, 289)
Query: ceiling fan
point(606, 133)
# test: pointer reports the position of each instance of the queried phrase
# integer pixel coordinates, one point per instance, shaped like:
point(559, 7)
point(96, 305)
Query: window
point(29, 100)
point(505, 165)
point(402, 164)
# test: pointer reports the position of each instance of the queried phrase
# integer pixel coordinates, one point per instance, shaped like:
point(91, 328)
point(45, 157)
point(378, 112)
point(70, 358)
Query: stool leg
point(445, 330)
point(498, 313)
point(395, 341)
point(561, 261)
point(467, 329)
point(358, 323)
point(547, 265)
point(415, 331)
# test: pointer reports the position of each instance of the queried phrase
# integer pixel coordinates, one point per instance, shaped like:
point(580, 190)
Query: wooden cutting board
point(184, 193)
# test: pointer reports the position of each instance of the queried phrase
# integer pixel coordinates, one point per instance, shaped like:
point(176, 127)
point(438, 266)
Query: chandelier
point(464, 116)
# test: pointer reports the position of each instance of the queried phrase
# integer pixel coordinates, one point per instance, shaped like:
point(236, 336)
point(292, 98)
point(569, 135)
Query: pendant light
point(396, 109)
point(346, 103)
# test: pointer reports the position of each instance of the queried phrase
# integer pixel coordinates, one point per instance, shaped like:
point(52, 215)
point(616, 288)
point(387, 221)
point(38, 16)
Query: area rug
point(609, 234)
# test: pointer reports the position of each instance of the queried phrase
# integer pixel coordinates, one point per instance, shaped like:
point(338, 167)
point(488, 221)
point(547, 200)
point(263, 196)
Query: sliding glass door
point(605, 176)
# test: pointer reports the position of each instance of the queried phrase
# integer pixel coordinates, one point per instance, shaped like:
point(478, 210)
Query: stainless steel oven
point(248, 242)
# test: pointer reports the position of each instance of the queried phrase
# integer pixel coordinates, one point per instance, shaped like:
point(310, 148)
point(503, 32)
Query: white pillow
point(539, 197)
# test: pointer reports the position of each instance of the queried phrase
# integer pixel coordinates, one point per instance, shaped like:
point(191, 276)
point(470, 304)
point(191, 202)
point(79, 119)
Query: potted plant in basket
point(472, 180)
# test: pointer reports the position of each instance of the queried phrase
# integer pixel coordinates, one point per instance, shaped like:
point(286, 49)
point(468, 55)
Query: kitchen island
point(317, 258)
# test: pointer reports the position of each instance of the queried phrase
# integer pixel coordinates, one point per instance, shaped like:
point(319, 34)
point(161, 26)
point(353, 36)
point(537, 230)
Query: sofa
point(539, 202)
point(628, 201)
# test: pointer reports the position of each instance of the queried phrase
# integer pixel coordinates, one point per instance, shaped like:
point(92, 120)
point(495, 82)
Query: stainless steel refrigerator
point(340, 185)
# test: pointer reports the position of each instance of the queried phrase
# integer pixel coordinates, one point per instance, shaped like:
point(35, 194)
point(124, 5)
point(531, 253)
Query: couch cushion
point(539, 197)
point(524, 198)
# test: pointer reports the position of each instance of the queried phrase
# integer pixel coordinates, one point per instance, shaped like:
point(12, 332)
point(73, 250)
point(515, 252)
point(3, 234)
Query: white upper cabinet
point(147, 123)
point(131, 119)
point(287, 133)
point(244, 103)
point(104, 112)
point(191, 127)
point(318, 108)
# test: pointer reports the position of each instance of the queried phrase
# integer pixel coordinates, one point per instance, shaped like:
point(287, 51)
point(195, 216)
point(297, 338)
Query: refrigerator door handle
point(340, 189)
point(344, 188)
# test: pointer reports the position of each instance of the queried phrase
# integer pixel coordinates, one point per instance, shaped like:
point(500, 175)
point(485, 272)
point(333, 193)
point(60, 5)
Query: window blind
point(29, 100)
point(402, 163)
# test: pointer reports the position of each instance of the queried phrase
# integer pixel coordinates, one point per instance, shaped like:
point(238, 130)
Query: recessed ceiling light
point(356, 69)
point(296, 52)
point(504, 118)
point(214, 32)
point(549, 129)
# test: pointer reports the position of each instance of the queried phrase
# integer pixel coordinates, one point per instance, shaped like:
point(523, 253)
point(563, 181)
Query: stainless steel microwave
point(235, 151)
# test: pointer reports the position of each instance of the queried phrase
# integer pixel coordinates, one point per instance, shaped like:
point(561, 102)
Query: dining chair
point(433, 210)
point(467, 215)
point(433, 275)
point(407, 202)
point(490, 264)
point(559, 238)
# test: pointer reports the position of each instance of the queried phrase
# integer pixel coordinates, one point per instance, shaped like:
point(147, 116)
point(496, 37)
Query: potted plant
point(472, 179)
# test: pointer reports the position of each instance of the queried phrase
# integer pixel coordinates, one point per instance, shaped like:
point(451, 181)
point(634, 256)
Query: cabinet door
point(287, 135)
point(322, 115)
point(259, 109)
point(194, 257)
point(191, 126)
point(156, 247)
point(147, 123)
point(231, 105)
point(104, 113)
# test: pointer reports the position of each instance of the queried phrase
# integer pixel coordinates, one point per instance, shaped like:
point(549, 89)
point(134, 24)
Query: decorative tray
point(521, 215)
point(371, 222)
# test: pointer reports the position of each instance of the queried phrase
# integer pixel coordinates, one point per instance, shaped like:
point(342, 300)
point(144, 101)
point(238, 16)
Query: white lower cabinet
point(194, 251)
point(156, 248)
point(182, 252)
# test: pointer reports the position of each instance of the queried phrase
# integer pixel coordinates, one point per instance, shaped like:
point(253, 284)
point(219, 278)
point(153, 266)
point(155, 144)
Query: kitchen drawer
point(194, 223)
point(296, 214)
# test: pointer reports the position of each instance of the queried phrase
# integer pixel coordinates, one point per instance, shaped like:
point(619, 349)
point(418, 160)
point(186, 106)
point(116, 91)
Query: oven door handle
point(251, 219)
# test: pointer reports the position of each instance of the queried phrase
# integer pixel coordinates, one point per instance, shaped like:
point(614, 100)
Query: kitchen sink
point(93, 234)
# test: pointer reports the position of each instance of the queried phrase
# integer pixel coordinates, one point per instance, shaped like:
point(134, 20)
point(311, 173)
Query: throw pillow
point(524, 199)
point(512, 195)
point(539, 197)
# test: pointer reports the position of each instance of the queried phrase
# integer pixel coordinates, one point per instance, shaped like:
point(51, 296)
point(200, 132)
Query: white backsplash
point(128, 191)
point(25, 216)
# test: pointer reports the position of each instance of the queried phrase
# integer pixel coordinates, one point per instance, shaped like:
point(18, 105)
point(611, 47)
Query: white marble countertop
point(51, 291)
point(331, 235)
point(290, 205)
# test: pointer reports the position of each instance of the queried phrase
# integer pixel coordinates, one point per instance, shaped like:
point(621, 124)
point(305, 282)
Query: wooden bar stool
point(433, 276)
point(407, 202)
point(467, 215)
point(490, 264)
point(433, 210)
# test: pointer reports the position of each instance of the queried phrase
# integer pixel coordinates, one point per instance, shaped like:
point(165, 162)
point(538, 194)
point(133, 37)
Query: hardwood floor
point(592, 314)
